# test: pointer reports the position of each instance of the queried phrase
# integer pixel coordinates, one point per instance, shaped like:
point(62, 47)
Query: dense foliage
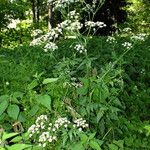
point(67, 89)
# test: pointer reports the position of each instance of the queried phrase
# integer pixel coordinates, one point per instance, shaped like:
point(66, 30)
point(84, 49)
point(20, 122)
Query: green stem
point(106, 133)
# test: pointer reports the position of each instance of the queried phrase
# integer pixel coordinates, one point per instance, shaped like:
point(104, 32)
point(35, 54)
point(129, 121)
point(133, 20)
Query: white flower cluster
point(59, 4)
point(35, 128)
point(44, 137)
point(80, 124)
point(80, 48)
point(74, 26)
point(70, 26)
point(61, 122)
point(50, 47)
point(94, 3)
point(47, 132)
point(64, 24)
point(127, 29)
point(95, 24)
point(36, 32)
point(139, 37)
point(127, 45)
point(111, 40)
point(36, 42)
point(52, 35)
point(91, 7)
point(75, 83)
point(73, 15)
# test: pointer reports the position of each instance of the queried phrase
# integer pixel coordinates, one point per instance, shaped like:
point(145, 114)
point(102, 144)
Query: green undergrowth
point(110, 90)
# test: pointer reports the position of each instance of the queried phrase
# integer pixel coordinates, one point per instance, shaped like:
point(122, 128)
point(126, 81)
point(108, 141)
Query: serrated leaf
point(16, 139)
point(33, 84)
point(4, 98)
point(85, 81)
point(44, 100)
point(94, 145)
point(18, 146)
point(129, 141)
point(77, 146)
point(34, 110)
point(82, 91)
point(112, 147)
point(49, 80)
point(70, 135)
point(21, 117)
point(100, 142)
point(3, 106)
point(119, 143)
point(14, 100)
point(100, 115)
point(2, 117)
point(13, 111)
point(91, 136)
point(15, 97)
point(8, 135)
point(35, 148)
point(18, 94)
point(84, 138)
point(117, 102)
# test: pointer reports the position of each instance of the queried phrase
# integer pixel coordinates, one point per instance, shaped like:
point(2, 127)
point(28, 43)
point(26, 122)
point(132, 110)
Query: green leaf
point(2, 148)
point(21, 117)
point(100, 115)
point(33, 84)
point(77, 146)
point(85, 81)
point(35, 148)
point(44, 100)
point(18, 94)
point(13, 111)
point(49, 80)
point(129, 141)
point(2, 117)
point(113, 147)
point(16, 139)
point(3, 106)
point(70, 135)
point(82, 90)
point(8, 135)
point(84, 138)
point(94, 145)
point(119, 143)
point(34, 110)
point(117, 102)
point(4, 98)
point(65, 139)
point(18, 146)
point(104, 92)
point(100, 142)
point(91, 136)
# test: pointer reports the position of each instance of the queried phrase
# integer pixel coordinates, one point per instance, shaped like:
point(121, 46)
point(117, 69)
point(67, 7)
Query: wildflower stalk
point(112, 66)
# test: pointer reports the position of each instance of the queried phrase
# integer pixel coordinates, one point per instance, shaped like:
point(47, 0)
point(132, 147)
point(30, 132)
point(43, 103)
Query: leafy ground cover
point(98, 100)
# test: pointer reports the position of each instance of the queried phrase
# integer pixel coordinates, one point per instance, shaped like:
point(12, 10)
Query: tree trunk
point(33, 11)
point(38, 12)
point(50, 17)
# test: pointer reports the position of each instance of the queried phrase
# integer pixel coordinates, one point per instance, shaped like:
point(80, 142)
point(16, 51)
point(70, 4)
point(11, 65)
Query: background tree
point(10, 10)
point(138, 15)
point(112, 13)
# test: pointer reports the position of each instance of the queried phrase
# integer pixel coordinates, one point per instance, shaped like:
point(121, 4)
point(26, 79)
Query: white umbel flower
point(50, 47)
